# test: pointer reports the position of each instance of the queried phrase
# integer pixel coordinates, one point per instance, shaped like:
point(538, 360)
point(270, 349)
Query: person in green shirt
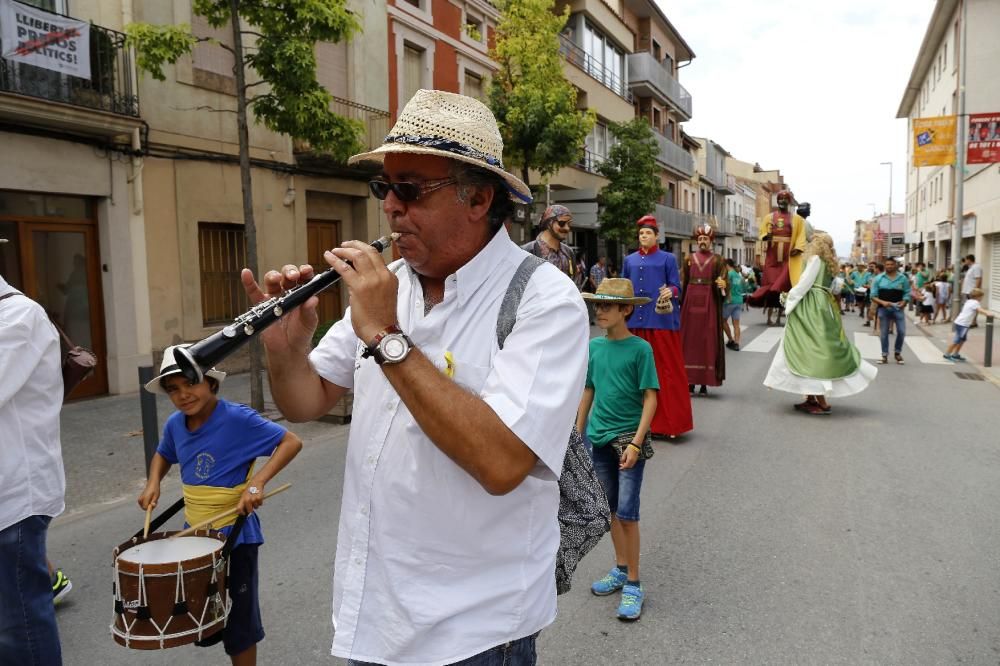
point(620, 400)
point(733, 306)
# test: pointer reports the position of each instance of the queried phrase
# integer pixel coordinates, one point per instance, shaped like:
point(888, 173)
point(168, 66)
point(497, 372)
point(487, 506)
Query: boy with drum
point(216, 443)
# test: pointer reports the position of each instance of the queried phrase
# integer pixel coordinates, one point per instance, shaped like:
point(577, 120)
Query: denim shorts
point(620, 485)
point(961, 332)
point(244, 628)
point(731, 311)
point(520, 652)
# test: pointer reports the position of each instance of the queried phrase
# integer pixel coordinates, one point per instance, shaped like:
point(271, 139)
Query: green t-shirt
point(737, 287)
point(619, 372)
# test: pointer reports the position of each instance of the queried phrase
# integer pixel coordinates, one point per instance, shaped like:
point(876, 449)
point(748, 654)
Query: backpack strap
point(512, 299)
point(9, 294)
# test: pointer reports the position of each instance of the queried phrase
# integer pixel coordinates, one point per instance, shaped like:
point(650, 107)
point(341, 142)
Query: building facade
point(932, 90)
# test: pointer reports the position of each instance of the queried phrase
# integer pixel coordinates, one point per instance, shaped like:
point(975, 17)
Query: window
point(605, 61)
point(656, 120)
point(474, 28)
point(211, 57)
point(413, 69)
point(474, 85)
point(668, 63)
point(656, 50)
point(222, 250)
point(415, 3)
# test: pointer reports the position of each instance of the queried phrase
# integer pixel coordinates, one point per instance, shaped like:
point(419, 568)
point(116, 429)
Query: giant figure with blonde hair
point(815, 358)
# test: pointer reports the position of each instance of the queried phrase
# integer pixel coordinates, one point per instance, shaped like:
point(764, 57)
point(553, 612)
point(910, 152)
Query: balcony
point(597, 71)
point(726, 226)
point(106, 104)
point(674, 157)
point(589, 161)
point(648, 78)
point(376, 124)
point(674, 222)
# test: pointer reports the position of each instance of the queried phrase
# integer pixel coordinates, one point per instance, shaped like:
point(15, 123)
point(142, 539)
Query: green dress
point(815, 357)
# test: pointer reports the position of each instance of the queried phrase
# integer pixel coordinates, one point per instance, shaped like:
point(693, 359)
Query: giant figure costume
point(815, 357)
point(649, 269)
point(704, 283)
point(783, 235)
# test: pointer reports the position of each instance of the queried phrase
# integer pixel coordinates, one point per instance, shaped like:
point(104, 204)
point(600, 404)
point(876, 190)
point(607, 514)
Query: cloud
point(811, 89)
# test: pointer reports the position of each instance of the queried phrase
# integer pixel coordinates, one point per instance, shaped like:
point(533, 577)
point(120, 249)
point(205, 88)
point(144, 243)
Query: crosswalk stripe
point(765, 341)
point(867, 344)
point(925, 351)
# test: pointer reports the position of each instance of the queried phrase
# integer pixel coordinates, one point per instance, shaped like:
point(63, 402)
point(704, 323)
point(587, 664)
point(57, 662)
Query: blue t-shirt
point(220, 452)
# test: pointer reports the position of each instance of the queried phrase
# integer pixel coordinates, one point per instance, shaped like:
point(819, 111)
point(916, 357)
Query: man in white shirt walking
point(448, 530)
point(973, 280)
point(32, 482)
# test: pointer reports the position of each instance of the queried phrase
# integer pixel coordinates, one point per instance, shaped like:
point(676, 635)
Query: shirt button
point(390, 406)
point(364, 511)
point(371, 460)
point(357, 560)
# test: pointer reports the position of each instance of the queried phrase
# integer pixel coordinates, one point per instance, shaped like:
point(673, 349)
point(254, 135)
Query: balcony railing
point(649, 78)
point(589, 161)
point(109, 87)
point(376, 123)
point(673, 156)
point(597, 71)
point(674, 221)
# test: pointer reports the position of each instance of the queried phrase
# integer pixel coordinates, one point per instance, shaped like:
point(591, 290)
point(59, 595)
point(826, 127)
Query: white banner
point(38, 38)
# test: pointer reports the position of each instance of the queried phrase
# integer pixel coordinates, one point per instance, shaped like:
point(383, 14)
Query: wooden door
point(323, 235)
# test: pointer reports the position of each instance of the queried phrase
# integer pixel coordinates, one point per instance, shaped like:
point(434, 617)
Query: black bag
point(77, 362)
point(584, 514)
point(646, 451)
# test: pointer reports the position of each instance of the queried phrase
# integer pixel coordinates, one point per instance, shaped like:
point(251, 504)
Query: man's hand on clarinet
point(297, 327)
point(371, 285)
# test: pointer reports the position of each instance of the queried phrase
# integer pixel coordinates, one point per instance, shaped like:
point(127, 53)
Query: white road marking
point(926, 351)
point(868, 344)
point(766, 341)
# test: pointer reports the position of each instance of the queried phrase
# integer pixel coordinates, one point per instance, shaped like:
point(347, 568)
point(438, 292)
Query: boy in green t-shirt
point(620, 400)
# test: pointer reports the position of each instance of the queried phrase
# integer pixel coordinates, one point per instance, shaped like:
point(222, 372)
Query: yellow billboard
point(934, 141)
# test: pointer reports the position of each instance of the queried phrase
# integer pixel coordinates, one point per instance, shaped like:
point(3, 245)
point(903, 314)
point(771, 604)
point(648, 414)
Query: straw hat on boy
point(168, 366)
point(615, 290)
point(460, 128)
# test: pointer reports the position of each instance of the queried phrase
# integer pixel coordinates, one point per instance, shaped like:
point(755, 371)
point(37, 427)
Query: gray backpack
point(584, 515)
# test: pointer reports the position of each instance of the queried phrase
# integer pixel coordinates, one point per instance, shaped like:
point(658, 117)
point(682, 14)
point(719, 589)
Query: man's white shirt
point(32, 482)
point(430, 568)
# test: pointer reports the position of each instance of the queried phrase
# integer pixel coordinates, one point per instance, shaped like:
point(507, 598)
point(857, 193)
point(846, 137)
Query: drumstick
point(149, 514)
point(225, 514)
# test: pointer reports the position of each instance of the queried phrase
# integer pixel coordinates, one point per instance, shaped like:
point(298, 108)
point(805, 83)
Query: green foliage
point(283, 56)
point(634, 187)
point(533, 102)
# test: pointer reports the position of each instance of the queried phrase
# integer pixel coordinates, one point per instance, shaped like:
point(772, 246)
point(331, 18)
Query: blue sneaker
point(631, 606)
point(957, 357)
point(613, 581)
point(949, 357)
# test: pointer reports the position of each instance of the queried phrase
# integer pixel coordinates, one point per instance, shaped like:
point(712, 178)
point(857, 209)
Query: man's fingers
point(251, 287)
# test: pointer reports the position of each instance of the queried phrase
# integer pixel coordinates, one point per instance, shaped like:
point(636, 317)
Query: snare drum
point(169, 592)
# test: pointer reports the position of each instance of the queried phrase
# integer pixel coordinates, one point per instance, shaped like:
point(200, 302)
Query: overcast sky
point(810, 88)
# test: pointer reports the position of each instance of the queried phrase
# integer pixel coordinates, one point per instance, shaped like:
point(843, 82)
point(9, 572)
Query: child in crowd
point(963, 321)
point(942, 295)
point(733, 306)
point(217, 443)
point(926, 303)
point(617, 408)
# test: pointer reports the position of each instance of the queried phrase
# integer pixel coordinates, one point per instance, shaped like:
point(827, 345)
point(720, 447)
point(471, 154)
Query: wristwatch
point(388, 347)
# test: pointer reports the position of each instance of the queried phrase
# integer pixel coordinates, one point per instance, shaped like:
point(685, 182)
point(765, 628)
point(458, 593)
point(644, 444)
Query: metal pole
point(959, 211)
point(150, 424)
point(988, 355)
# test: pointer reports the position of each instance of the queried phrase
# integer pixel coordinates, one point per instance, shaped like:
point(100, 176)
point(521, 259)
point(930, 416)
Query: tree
point(634, 187)
point(282, 61)
point(533, 102)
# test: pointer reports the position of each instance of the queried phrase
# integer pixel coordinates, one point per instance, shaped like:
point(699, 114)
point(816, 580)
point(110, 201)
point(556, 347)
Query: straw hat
point(616, 290)
point(168, 366)
point(461, 128)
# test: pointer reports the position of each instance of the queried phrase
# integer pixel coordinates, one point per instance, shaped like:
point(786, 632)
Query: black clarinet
point(193, 361)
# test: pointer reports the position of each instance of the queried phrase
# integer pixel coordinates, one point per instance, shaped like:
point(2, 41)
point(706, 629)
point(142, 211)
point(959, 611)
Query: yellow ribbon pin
point(449, 368)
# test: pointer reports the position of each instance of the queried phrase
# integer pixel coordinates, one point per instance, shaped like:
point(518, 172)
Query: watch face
point(394, 347)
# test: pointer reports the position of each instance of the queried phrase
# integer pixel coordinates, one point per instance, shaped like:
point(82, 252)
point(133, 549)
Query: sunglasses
point(563, 223)
point(407, 191)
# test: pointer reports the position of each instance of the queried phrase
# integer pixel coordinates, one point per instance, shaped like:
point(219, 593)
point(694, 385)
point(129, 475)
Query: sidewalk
point(975, 345)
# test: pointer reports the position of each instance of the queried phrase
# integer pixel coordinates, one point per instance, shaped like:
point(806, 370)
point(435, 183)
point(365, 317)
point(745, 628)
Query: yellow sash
point(203, 502)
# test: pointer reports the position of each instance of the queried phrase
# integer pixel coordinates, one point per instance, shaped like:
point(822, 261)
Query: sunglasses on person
point(405, 190)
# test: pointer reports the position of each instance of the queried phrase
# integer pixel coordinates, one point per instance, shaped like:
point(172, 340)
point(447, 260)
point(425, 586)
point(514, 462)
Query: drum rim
point(130, 567)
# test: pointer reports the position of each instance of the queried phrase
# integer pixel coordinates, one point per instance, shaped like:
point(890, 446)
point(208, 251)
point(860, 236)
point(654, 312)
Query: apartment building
point(757, 190)
point(932, 90)
point(70, 204)
point(714, 185)
point(135, 251)
point(879, 238)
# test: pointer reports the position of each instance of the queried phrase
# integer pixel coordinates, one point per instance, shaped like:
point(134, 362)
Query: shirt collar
point(4, 287)
point(644, 252)
point(477, 270)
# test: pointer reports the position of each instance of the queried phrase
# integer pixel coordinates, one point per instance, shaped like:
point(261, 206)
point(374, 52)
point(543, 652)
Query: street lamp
point(890, 197)
point(873, 209)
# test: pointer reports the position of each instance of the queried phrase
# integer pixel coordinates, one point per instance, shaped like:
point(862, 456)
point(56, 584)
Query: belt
point(701, 281)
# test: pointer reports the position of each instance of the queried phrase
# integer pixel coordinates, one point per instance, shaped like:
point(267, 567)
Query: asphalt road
point(769, 537)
